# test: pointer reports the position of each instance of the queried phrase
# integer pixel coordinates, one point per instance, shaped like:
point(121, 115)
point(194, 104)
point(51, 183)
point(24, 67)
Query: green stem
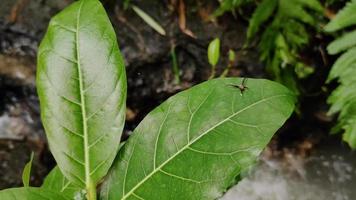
point(91, 192)
point(175, 65)
point(212, 74)
point(226, 71)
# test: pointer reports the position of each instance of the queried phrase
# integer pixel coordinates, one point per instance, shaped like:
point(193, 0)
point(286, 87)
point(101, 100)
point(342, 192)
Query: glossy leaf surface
point(194, 144)
point(81, 84)
point(29, 193)
point(55, 181)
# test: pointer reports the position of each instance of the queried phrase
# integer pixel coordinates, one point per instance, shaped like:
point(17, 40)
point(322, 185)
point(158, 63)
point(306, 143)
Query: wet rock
point(14, 154)
point(20, 70)
point(327, 174)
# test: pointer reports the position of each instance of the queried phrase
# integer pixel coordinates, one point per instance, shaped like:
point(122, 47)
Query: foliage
point(343, 98)
point(283, 37)
point(230, 5)
point(57, 182)
point(149, 20)
point(284, 34)
point(30, 193)
point(26, 174)
point(198, 141)
point(213, 55)
point(81, 84)
point(214, 52)
point(194, 144)
point(232, 59)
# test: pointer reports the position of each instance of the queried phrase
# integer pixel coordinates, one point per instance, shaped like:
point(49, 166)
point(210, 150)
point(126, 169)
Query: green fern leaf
point(229, 5)
point(345, 18)
point(342, 65)
point(343, 98)
point(343, 43)
point(284, 37)
point(296, 9)
point(261, 14)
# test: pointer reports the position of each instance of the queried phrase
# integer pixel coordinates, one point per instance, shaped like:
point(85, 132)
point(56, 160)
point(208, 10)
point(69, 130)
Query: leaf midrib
point(82, 102)
point(192, 142)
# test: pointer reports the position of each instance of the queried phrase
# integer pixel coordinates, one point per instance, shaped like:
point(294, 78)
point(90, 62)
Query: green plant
point(232, 59)
point(283, 37)
point(27, 172)
point(145, 17)
point(230, 5)
point(343, 98)
point(175, 66)
point(149, 20)
point(213, 55)
point(192, 146)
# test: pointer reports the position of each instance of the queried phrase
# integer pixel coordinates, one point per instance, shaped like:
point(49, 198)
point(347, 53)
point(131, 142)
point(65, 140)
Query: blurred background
point(165, 45)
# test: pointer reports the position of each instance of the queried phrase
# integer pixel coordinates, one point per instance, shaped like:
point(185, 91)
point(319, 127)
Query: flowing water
point(327, 174)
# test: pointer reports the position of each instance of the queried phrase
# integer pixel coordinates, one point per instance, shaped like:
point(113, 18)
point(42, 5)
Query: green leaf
point(260, 15)
point(344, 18)
point(194, 144)
point(214, 51)
point(311, 4)
point(229, 5)
point(30, 193)
point(342, 43)
point(232, 55)
point(55, 181)
point(342, 65)
point(149, 20)
point(81, 84)
point(296, 9)
point(343, 98)
point(26, 174)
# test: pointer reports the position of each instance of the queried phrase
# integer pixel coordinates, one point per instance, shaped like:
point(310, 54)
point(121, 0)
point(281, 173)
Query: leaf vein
point(193, 141)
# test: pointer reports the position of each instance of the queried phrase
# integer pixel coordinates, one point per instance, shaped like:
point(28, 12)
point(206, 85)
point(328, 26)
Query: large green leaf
point(81, 84)
point(28, 193)
point(194, 144)
point(55, 181)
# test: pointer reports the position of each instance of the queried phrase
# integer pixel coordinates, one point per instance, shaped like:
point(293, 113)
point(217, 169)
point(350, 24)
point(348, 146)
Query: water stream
point(327, 174)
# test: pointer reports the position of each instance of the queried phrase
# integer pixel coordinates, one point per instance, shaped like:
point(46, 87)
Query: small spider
point(242, 87)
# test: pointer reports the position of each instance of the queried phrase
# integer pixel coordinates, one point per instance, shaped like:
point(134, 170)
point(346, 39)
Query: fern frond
point(296, 9)
point(345, 18)
point(283, 37)
point(261, 14)
point(343, 98)
point(342, 65)
point(229, 5)
point(343, 43)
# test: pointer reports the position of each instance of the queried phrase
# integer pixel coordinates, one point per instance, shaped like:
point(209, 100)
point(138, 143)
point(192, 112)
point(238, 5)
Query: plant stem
point(226, 71)
point(175, 65)
point(212, 74)
point(91, 192)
